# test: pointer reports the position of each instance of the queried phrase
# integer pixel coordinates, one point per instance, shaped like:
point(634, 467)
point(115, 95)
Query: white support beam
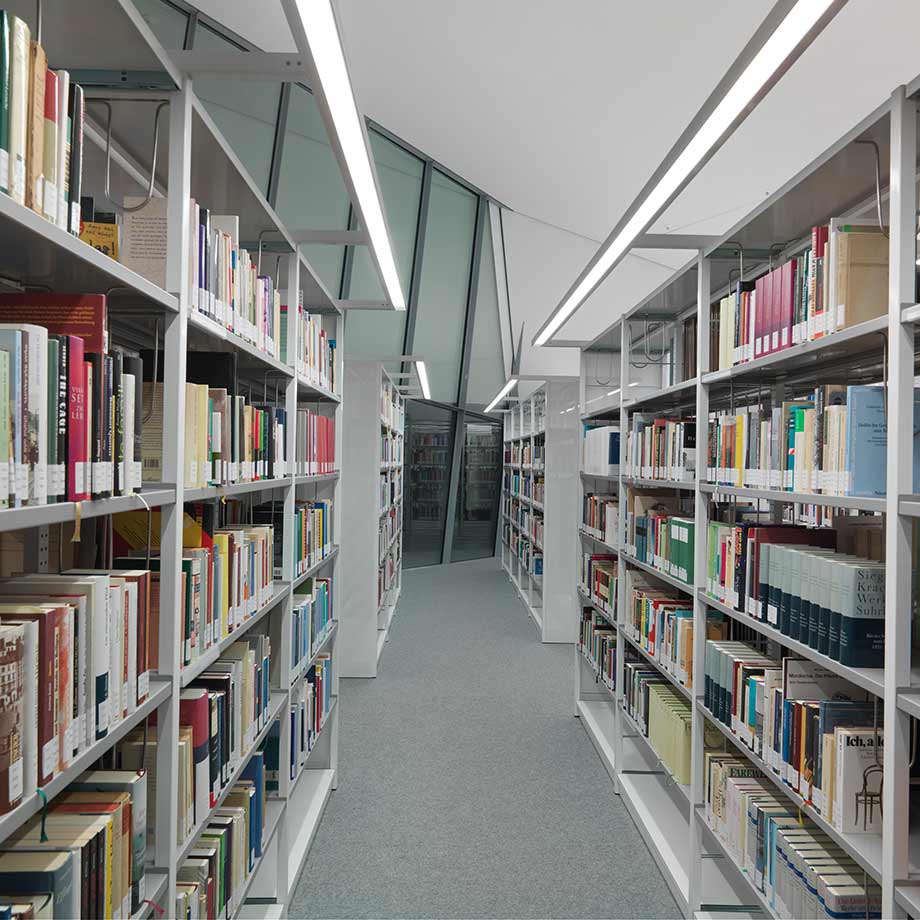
point(270, 66)
point(675, 241)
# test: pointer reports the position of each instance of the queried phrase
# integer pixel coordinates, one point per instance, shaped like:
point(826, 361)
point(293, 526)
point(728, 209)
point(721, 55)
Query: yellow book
point(740, 431)
point(222, 546)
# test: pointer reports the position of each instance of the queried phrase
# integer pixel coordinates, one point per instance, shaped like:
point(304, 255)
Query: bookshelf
point(672, 405)
point(144, 316)
point(538, 494)
point(372, 474)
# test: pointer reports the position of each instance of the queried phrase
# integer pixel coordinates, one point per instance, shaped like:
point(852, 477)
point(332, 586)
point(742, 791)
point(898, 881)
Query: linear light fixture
point(502, 393)
point(316, 35)
point(784, 35)
point(423, 378)
point(614, 392)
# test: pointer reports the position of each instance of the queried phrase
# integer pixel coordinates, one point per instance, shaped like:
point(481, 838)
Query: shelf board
point(681, 788)
point(667, 397)
point(609, 476)
point(274, 810)
point(62, 512)
point(160, 688)
point(155, 882)
point(320, 648)
point(907, 894)
point(37, 252)
point(586, 597)
point(315, 392)
point(597, 720)
point(869, 679)
point(583, 532)
point(313, 791)
point(212, 332)
point(664, 576)
point(278, 701)
point(306, 480)
point(201, 664)
point(667, 675)
point(804, 498)
point(677, 486)
point(837, 347)
point(866, 849)
point(236, 488)
point(310, 572)
point(710, 835)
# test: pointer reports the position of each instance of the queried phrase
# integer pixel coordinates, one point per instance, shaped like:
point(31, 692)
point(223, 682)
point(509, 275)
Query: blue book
point(255, 771)
point(867, 436)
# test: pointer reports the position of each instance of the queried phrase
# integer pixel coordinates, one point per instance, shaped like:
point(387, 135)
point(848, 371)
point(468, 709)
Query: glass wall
point(166, 22)
point(476, 515)
point(445, 282)
point(311, 191)
point(379, 333)
point(429, 449)
point(487, 369)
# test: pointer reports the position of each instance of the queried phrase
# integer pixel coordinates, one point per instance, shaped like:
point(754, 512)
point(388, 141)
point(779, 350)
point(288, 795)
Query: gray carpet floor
point(467, 788)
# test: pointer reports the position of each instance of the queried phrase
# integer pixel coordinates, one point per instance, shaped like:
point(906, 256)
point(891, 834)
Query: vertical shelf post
point(900, 387)
point(700, 524)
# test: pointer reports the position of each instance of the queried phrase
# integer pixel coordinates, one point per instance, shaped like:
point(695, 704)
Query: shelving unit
point(371, 548)
point(625, 373)
point(202, 165)
point(540, 444)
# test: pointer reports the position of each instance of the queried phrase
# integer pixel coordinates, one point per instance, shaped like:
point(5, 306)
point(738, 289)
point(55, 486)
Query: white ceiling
point(562, 113)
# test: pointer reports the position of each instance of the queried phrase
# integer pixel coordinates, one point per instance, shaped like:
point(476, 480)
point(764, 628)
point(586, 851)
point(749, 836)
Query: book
point(143, 238)
point(35, 179)
point(34, 872)
point(20, 95)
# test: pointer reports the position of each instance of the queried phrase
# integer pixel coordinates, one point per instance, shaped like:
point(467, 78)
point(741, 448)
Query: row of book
point(842, 280)
point(799, 869)
point(390, 525)
point(597, 641)
point(833, 442)
point(75, 655)
point(600, 450)
point(810, 727)
point(314, 536)
point(84, 856)
point(392, 407)
point(390, 489)
point(388, 575)
point(391, 451)
point(662, 714)
point(221, 713)
point(539, 490)
point(41, 128)
point(822, 587)
point(224, 281)
point(70, 411)
point(315, 359)
point(661, 448)
point(518, 484)
point(600, 517)
point(212, 879)
point(311, 619)
point(314, 448)
point(659, 535)
point(311, 702)
point(599, 573)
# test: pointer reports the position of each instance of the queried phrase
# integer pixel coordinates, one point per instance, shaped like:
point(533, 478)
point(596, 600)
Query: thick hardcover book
point(49, 149)
point(78, 486)
point(866, 444)
point(134, 366)
point(12, 727)
point(38, 67)
point(76, 110)
point(27, 871)
point(61, 314)
point(193, 711)
point(20, 94)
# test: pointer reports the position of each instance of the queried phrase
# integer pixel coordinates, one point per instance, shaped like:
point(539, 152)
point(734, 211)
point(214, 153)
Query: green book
point(5, 102)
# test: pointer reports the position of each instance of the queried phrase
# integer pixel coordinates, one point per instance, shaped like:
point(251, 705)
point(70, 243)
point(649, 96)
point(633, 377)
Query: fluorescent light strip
point(614, 392)
point(423, 378)
point(800, 19)
point(502, 393)
point(329, 59)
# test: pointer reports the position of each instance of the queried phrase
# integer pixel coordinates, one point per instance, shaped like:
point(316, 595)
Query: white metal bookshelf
point(371, 545)
point(201, 164)
point(703, 879)
point(540, 445)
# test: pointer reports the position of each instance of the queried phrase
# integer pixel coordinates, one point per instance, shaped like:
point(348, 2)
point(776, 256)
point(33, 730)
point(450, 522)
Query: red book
point(194, 711)
point(758, 313)
point(50, 703)
point(77, 436)
point(62, 314)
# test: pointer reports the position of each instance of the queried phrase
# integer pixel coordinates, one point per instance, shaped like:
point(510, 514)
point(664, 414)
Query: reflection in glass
point(429, 443)
point(477, 491)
